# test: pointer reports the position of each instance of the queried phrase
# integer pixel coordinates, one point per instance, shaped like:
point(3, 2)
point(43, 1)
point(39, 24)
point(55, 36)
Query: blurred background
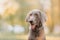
point(13, 13)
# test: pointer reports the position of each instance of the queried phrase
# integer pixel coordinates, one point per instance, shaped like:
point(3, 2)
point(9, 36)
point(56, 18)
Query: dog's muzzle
point(31, 22)
point(32, 25)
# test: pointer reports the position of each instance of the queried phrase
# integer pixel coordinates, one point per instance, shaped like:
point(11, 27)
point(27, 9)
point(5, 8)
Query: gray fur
point(39, 18)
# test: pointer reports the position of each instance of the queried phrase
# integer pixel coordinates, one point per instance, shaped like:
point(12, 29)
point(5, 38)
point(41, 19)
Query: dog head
point(36, 17)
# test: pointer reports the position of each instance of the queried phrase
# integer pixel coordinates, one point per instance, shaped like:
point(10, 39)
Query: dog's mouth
point(32, 25)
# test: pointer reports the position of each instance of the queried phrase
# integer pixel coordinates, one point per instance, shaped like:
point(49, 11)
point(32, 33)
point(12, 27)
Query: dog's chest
point(36, 35)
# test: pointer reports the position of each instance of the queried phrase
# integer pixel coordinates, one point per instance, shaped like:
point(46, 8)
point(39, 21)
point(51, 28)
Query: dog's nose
point(31, 21)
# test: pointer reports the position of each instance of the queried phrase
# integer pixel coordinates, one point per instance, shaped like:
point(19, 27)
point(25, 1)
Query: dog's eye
point(36, 15)
point(30, 14)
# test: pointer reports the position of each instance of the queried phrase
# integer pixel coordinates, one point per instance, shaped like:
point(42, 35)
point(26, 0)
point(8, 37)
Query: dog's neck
point(37, 28)
point(36, 32)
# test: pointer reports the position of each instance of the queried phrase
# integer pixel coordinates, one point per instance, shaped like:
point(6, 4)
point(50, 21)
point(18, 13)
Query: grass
point(24, 37)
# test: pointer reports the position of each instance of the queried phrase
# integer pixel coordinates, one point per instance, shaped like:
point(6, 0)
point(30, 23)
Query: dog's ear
point(27, 17)
point(43, 17)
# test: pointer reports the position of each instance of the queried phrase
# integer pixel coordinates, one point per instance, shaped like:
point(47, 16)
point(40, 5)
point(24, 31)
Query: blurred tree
point(11, 19)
